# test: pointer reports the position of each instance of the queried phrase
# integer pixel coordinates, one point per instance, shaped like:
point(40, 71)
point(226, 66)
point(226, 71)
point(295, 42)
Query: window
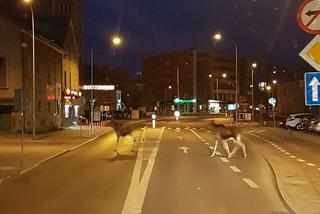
point(3, 73)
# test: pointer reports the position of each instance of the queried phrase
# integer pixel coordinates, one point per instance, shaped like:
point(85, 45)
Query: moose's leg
point(238, 143)
point(226, 147)
point(235, 149)
point(215, 149)
point(243, 146)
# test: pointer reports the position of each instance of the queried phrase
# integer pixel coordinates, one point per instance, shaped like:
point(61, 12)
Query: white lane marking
point(293, 156)
point(287, 153)
point(209, 131)
point(137, 190)
point(208, 144)
point(310, 164)
point(186, 128)
point(169, 128)
point(5, 168)
point(180, 138)
point(235, 169)
point(301, 160)
point(250, 183)
point(203, 140)
point(225, 160)
point(318, 169)
point(211, 147)
point(202, 129)
point(260, 131)
point(282, 150)
point(196, 134)
point(218, 153)
point(185, 149)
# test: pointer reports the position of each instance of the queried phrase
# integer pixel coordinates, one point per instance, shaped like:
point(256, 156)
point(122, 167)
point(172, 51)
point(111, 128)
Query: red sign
point(308, 16)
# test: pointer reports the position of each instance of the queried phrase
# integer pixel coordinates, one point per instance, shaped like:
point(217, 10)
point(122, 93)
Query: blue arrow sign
point(312, 88)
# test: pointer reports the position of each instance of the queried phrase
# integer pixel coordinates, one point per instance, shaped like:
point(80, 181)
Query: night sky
point(152, 27)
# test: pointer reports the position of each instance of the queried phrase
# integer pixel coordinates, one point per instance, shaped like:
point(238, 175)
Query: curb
point(53, 157)
point(279, 187)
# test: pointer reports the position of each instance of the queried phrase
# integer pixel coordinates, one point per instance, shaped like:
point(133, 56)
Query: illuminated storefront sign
point(97, 87)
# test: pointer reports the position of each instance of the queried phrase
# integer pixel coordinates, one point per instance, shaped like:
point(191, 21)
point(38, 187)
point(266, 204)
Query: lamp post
point(253, 66)
point(218, 37)
point(165, 99)
point(116, 41)
point(33, 72)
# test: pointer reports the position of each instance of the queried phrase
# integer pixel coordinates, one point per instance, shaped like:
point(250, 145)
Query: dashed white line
point(287, 153)
point(211, 147)
point(250, 183)
point(225, 160)
point(235, 169)
point(301, 160)
point(310, 164)
point(318, 169)
point(207, 144)
point(196, 134)
point(203, 140)
point(293, 156)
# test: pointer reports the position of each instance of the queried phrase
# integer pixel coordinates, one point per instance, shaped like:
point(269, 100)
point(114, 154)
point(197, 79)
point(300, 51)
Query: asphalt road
point(157, 178)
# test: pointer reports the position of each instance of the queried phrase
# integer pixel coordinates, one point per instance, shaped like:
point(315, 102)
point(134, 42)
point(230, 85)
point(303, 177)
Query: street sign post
point(272, 101)
point(312, 88)
point(311, 53)
point(308, 16)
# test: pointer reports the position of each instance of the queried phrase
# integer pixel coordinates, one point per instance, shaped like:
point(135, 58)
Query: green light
point(179, 101)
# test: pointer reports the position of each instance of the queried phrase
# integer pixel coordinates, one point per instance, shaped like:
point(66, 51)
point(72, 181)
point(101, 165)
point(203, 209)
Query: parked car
point(304, 125)
point(315, 124)
point(294, 120)
point(315, 127)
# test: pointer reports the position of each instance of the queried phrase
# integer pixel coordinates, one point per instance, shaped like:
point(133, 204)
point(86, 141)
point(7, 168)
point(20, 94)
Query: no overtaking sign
point(309, 16)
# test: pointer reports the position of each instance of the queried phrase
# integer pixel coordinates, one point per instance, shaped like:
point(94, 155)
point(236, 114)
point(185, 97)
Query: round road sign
point(308, 16)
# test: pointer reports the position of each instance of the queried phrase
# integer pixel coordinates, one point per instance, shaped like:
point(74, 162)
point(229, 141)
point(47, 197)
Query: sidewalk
point(47, 146)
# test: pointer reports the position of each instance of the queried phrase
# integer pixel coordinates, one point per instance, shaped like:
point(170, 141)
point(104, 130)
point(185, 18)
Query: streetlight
point(33, 72)
point(165, 99)
point(253, 66)
point(218, 37)
point(274, 82)
point(116, 42)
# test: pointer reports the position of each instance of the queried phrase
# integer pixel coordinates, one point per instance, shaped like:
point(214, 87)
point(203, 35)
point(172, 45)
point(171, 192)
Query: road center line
point(310, 164)
point(250, 183)
point(225, 160)
point(137, 190)
point(195, 133)
point(235, 169)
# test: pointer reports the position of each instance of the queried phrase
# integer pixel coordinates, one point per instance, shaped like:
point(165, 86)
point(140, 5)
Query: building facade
point(58, 59)
point(200, 74)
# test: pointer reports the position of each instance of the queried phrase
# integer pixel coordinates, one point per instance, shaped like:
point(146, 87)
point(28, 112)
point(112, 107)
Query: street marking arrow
point(315, 84)
point(185, 149)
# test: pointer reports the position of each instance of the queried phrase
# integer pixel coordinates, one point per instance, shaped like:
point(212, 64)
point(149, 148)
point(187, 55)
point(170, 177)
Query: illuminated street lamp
point(268, 88)
point(116, 40)
point(224, 75)
point(218, 37)
point(274, 82)
point(253, 66)
point(33, 72)
point(165, 99)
